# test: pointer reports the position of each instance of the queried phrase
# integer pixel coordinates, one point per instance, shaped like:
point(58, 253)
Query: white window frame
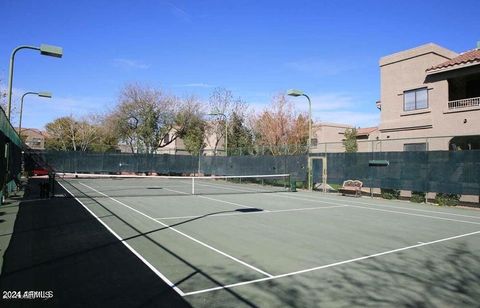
point(415, 92)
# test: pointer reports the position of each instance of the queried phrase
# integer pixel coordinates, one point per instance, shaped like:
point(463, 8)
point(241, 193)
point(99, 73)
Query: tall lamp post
point(226, 128)
point(40, 94)
point(296, 93)
point(46, 50)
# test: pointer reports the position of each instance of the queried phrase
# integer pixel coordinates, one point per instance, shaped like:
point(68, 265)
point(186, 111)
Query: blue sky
point(329, 49)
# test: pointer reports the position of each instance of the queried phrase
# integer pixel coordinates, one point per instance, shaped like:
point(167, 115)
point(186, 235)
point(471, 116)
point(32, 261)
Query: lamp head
point(52, 51)
point(45, 94)
point(293, 92)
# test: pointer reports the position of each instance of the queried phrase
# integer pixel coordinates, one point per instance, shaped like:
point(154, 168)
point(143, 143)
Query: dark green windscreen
point(435, 171)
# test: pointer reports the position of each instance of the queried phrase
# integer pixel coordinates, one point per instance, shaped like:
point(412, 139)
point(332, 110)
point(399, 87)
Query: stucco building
point(430, 100)
point(430, 93)
point(34, 138)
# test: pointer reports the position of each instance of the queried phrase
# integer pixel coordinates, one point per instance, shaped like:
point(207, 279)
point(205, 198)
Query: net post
point(193, 186)
point(293, 183)
point(51, 184)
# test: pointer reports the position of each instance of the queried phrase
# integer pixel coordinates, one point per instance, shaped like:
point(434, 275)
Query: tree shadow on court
point(58, 255)
point(437, 276)
point(440, 277)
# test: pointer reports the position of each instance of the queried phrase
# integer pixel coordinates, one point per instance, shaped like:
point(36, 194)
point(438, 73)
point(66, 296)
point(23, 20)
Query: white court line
point(150, 266)
point(228, 202)
point(218, 200)
point(183, 234)
point(253, 213)
point(223, 186)
point(389, 211)
point(316, 200)
point(330, 265)
point(399, 207)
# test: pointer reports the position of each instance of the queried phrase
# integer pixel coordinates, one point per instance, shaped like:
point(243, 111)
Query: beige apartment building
point(34, 138)
point(328, 137)
point(430, 100)
point(433, 94)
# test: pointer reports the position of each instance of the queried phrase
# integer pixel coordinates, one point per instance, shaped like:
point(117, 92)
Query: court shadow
point(20, 270)
point(441, 277)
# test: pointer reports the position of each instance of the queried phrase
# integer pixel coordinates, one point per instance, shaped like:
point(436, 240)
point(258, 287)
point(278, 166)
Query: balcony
point(464, 103)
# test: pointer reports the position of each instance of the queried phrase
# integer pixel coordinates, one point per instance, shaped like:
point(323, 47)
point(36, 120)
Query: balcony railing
point(464, 103)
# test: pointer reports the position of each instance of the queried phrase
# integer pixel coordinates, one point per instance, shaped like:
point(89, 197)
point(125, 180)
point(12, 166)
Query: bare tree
point(280, 128)
point(88, 132)
point(222, 101)
point(67, 133)
point(62, 134)
point(146, 119)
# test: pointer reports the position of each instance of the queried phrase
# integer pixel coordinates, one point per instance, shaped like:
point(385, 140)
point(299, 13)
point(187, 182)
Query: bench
point(351, 187)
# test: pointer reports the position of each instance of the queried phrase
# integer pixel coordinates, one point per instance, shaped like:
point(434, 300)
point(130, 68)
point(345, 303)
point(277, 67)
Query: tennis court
point(243, 243)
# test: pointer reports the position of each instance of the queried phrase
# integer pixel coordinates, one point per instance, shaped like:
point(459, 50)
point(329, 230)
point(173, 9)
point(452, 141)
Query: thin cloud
point(318, 66)
point(129, 64)
point(179, 13)
point(331, 101)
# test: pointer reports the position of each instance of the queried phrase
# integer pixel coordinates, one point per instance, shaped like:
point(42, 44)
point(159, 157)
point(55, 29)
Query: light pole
point(40, 94)
point(297, 93)
point(226, 128)
point(46, 50)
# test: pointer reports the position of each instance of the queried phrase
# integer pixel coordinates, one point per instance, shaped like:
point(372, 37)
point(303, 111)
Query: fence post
point(198, 165)
point(427, 176)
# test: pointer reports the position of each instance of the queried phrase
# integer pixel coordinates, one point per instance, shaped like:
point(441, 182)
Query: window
point(34, 142)
point(166, 139)
point(415, 99)
point(314, 142)
point(409, 147)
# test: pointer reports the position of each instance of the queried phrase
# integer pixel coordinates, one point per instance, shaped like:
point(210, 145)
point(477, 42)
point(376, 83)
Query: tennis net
point(143, 185)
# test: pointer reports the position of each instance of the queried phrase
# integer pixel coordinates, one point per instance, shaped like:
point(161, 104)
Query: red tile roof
point(366, 131)
point(471, 56)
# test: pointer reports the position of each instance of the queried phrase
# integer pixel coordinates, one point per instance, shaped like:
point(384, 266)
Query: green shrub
point(417, 197)
point(447, 199)
point(390, 193)
point(336, 186)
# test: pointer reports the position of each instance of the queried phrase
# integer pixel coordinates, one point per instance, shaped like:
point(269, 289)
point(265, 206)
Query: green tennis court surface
point(232, 245)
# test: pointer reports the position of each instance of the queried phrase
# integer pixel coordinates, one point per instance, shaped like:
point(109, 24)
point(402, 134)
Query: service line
point(183, 234)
